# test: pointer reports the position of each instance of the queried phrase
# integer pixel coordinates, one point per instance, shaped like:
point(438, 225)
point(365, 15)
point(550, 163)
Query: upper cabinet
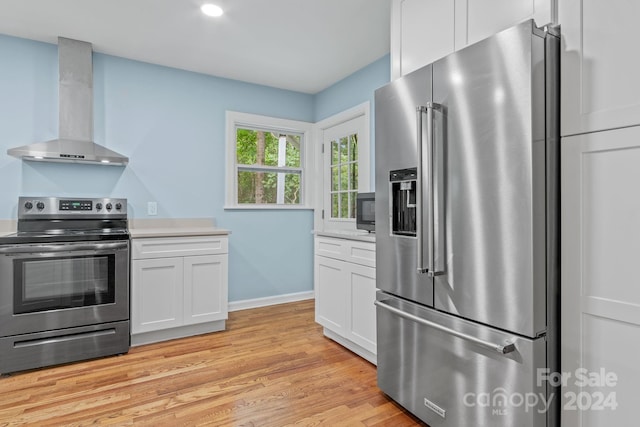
point(600, 67)
point(423, 31)
point(487, 17)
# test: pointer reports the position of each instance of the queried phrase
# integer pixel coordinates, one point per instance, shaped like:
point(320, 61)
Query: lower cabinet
point(178, 287)
point(345, 292)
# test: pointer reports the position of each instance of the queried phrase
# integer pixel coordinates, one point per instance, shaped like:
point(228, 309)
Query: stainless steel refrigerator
point(467, 215)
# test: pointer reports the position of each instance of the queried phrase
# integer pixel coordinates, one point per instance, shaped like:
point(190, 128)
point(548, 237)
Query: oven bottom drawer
point(29, 351)
point(451, 381)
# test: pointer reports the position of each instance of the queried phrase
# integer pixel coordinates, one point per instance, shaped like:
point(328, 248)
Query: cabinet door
point(600, 299)
point(362, 321)
point(205, 288)
point(331, 293)
point(600, 65)
point(488, 17)
point(156, 294)
point(422, 32)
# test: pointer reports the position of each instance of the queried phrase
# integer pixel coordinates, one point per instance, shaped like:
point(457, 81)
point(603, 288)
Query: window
point(345, 166)
point(344, 176)
point(266, 160)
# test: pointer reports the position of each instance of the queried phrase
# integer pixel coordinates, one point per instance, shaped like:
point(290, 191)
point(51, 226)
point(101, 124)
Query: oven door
point(53, 286)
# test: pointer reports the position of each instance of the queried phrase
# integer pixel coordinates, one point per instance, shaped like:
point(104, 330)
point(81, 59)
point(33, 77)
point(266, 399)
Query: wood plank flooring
point(271, 367)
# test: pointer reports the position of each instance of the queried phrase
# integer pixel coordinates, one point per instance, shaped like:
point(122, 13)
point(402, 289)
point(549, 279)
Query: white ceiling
point(301, 45)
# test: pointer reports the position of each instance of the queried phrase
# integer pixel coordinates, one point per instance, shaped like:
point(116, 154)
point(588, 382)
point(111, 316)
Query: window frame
point(236, 119)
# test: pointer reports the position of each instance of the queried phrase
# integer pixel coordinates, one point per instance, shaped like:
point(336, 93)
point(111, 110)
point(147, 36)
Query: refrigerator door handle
point(507, 348)
point(421, 268)
point(430, 183)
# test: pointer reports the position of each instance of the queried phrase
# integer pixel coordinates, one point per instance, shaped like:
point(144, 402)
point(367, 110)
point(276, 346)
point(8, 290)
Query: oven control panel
point(75, 205)
point(30, 207)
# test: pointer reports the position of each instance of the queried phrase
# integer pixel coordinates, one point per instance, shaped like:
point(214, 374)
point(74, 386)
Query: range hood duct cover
point(75, 92)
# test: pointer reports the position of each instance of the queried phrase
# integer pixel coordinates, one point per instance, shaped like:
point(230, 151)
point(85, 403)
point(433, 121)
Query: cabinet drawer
point(178, 246)
point(355, 251)
point(332, 248)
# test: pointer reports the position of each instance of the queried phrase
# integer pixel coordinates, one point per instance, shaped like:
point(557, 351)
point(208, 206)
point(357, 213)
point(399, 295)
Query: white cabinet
point(600, 170)
point(600, 277)
point(156, 297)
point(600, 66)
point(423, 31)
point(178, 287)
point(487, 17)
point(205, 288)
point(345, 288)
point(330, 289)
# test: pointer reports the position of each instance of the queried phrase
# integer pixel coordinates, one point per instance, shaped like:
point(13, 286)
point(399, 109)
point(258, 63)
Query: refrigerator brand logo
point(435, 408)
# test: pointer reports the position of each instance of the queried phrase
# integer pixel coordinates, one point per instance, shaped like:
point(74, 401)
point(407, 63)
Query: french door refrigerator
point(467, 214)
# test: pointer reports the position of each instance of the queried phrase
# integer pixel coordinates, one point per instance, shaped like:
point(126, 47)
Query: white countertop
point(174, 227)
point(360, 235)
point(176, 232)
point(7, 226)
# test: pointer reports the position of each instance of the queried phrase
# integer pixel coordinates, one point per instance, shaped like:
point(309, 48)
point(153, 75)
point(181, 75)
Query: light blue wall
point(353, 90)
point(171, 124)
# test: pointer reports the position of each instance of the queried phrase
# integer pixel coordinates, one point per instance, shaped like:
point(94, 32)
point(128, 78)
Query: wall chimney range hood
point(75, 91)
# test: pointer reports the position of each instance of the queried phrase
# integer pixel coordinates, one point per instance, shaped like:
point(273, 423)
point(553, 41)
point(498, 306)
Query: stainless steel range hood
point(75, 143)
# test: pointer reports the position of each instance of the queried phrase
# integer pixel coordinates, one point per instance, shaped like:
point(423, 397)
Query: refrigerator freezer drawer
point(452, 372)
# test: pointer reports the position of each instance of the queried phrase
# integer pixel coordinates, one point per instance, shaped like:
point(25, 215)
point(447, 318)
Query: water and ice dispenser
point(402, 185)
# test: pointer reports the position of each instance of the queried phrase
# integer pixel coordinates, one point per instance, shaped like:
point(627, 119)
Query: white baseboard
point(266, 301)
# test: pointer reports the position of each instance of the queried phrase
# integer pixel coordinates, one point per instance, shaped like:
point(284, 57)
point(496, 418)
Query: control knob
point(109, 206)
point(28, 205)
point(118, 206)
point(40, 205)
point(98, 206)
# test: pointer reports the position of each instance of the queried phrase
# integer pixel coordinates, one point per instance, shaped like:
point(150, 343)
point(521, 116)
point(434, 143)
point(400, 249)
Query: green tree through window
point(344, 176)
point(268, 167)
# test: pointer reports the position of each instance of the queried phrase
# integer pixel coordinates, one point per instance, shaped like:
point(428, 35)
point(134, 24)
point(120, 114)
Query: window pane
point(344, 177)
point(335, 206)
point(353, 147)
point(335, 179)
point(353, 174)
point(262, 187)
point(246, 187)
point(344, 150)
point(256, 147)
point(292, 188)
point(245, 146)
point(334, 152)
point(292, 150)
point(269, 151)
point(344, 205)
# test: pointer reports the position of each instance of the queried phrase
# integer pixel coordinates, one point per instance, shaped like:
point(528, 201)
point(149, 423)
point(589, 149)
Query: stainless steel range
point(64, 282)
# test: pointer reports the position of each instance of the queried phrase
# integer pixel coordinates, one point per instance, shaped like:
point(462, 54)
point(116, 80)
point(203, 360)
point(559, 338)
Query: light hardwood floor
point(271, 367)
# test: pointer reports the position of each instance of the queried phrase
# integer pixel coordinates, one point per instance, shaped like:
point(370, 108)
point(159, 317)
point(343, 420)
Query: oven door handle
point(63, 247)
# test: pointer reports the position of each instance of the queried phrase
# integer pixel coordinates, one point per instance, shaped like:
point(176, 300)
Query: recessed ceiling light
point(211, 9)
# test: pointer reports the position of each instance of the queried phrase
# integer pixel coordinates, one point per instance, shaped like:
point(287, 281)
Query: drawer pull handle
point(508, 347)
